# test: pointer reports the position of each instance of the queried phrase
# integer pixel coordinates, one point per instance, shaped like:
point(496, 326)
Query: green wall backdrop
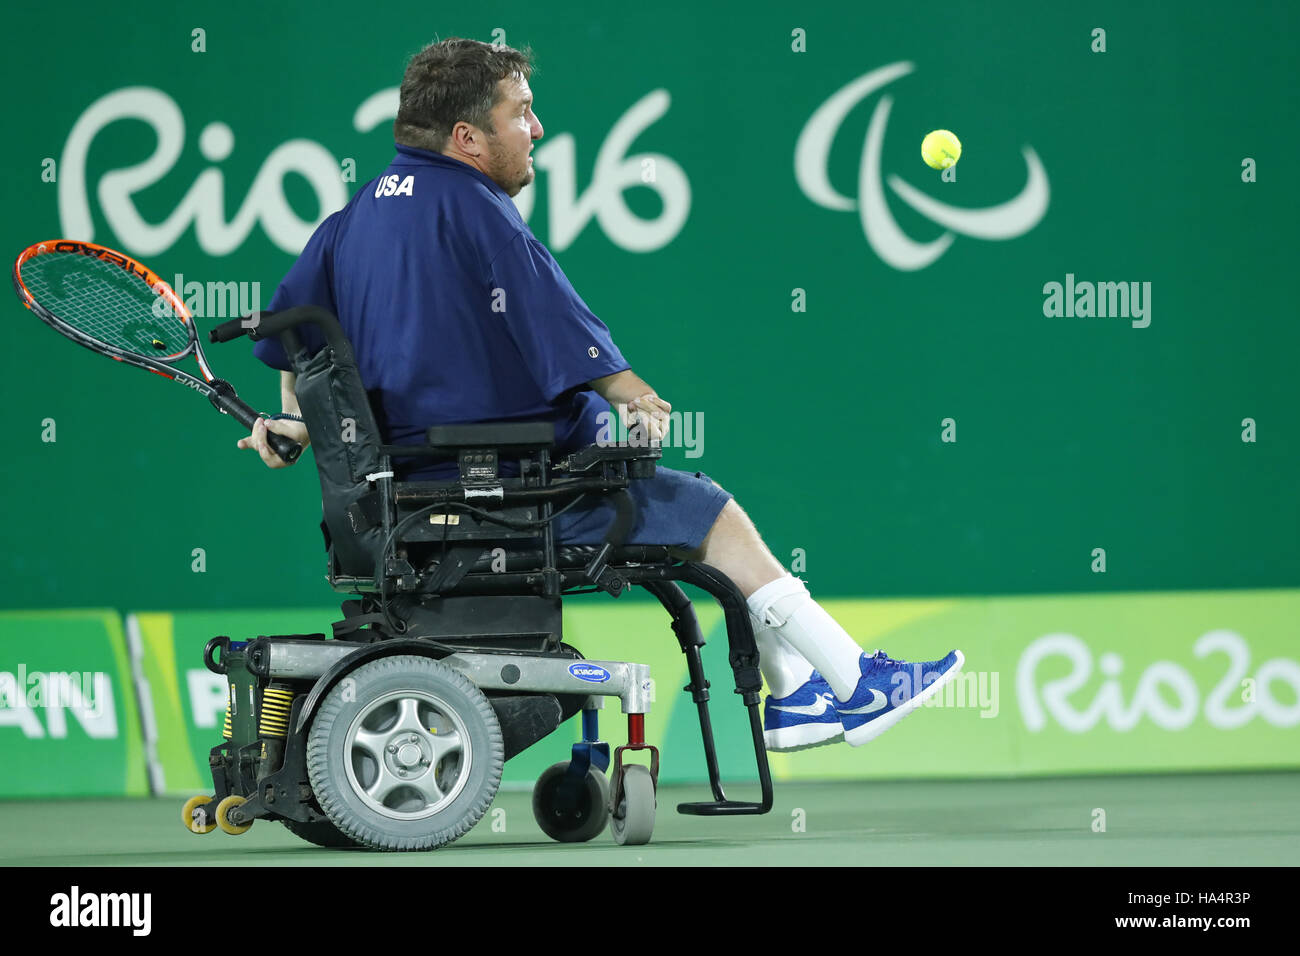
point(1071, 433)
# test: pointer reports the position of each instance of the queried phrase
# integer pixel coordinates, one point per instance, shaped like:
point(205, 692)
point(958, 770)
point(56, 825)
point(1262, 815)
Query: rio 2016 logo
point(203, 205)
point(1166, 693)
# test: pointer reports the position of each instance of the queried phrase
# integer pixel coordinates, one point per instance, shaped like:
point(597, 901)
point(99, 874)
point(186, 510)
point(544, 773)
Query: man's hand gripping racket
point(114, 305)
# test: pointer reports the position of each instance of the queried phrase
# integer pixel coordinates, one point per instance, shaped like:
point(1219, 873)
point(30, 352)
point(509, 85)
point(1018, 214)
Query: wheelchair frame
point(501, 629)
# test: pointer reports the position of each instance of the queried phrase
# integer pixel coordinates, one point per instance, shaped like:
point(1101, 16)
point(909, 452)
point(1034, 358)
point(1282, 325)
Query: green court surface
point(1170, 820)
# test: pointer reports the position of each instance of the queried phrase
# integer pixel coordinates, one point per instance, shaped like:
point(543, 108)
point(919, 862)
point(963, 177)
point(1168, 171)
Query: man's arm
point(288, 398)
point(295, 430)
point(621, 388)
point(635, 400)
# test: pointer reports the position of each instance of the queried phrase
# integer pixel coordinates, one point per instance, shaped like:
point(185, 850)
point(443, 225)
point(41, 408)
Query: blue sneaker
point(802, 720)
point(889, 690)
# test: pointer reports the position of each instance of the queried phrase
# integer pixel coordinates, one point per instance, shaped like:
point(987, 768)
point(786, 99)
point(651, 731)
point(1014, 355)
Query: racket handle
point(284, 446)
point(223, 397)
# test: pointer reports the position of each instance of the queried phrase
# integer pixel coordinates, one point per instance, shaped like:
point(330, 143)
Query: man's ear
point(468, 139)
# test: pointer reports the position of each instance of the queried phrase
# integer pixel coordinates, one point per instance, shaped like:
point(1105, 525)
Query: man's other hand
point(257, 439)
point(651, 412)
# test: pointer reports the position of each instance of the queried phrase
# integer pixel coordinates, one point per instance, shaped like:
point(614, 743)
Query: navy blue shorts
point(673, 509)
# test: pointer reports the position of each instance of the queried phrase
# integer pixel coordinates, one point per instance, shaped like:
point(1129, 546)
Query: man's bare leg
point(782, 608)
point(734, 547)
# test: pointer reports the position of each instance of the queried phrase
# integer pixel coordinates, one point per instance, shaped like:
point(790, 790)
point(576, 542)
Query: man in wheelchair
point(457, 314)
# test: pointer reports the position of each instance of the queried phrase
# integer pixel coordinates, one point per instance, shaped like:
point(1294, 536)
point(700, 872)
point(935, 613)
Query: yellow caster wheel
point(223, 818)
point(196, 821)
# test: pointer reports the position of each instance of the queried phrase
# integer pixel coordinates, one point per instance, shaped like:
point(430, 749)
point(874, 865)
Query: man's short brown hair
point(450, 81)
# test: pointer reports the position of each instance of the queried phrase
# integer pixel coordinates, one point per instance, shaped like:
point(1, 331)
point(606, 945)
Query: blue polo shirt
point(456, 312)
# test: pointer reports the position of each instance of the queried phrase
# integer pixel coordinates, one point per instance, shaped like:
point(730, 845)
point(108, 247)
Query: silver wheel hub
point(408, 755)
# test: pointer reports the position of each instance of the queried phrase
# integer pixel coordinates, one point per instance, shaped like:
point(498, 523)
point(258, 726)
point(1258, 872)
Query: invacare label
point(589, 672)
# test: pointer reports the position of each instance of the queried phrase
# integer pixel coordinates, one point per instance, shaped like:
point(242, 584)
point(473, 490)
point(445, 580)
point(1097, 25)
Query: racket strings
point(102, 301)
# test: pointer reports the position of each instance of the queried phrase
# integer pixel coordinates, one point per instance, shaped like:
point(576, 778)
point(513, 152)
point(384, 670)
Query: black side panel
point(526, 719)
point(345, 440)
point(470, 618)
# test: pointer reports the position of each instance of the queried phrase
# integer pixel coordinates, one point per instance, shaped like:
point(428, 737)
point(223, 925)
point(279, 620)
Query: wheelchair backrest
point(345, 438)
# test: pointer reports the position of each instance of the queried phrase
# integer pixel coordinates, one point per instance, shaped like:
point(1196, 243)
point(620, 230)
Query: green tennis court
point(1174, 820)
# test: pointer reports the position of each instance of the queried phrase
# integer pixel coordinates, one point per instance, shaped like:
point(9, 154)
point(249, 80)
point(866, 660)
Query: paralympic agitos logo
point(886, 238)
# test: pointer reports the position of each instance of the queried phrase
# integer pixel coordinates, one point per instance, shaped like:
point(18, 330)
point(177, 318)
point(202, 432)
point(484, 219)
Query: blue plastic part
point(592, 751)
point(590, 726)
point(589, 754)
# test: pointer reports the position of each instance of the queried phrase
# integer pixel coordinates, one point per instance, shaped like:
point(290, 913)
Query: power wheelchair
point(450, 659)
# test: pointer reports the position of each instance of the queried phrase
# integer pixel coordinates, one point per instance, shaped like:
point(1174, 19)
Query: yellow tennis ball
point(940, 149)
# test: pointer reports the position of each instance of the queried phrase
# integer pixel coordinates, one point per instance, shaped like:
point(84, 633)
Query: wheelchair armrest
point(640, 458)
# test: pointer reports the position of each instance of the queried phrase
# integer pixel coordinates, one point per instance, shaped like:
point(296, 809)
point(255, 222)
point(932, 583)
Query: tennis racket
point(114, 305)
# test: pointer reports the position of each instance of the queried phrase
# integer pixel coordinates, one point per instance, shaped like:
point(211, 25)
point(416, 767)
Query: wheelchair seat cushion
point(673, 509)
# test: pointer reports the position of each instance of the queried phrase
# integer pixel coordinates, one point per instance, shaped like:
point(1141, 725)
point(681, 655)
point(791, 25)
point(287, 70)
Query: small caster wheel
point(582, 815)
point(223, 817)
point(192, 815)
point(633, 820)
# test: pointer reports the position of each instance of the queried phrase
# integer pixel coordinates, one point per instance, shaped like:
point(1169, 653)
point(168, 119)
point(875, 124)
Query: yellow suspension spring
point(226, 731)
point(274, 718)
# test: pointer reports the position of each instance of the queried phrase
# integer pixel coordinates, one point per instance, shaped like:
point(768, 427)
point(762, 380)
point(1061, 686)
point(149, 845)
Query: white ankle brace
point(786, 606)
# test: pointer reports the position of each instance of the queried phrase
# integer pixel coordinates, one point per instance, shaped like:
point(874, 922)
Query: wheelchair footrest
point(721, 808)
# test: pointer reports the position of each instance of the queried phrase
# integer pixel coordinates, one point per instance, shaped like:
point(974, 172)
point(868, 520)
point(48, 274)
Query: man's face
point(508, 162)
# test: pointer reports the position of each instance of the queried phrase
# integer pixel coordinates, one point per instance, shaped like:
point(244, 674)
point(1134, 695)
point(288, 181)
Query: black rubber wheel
point(579, 823)
point(322, 833)
point(406, 754)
